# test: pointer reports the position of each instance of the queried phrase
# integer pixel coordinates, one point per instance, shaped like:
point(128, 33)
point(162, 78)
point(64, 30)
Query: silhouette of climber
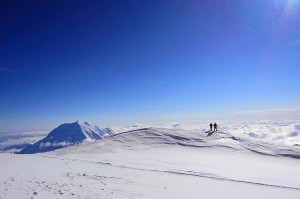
point(210, 126)
point(215, 127)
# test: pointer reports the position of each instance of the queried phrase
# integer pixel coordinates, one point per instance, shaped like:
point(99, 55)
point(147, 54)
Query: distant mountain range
point(66, 135)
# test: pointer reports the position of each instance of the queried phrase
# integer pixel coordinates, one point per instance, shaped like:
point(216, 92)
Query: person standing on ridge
point(215, 127)
point(210, 126)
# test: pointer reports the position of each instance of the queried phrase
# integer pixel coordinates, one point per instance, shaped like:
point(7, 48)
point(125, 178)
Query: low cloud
point(55, 144)
point(271, 114)
point(175, 125)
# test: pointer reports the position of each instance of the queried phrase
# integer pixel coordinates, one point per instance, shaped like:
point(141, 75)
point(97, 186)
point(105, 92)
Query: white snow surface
point(156, 163)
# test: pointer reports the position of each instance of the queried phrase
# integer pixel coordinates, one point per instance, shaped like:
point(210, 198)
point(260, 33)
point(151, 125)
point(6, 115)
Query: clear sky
point(133, 61)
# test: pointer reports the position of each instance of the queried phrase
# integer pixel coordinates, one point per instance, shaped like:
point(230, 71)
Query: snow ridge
point(147, 138)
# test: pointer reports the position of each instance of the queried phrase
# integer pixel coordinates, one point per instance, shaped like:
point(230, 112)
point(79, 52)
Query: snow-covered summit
point(147, 138)
point(68, 134)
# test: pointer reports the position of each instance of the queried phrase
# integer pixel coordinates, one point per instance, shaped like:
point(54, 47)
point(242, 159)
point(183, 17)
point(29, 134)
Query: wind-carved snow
point(156, 163)
point(68, 134)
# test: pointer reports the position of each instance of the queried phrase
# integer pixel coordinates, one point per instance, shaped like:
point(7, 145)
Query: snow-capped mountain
point(68, 134)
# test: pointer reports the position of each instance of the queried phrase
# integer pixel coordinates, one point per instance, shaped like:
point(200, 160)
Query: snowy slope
point(156, 163)
point(277, 132)
point(68, 134)
point(161, 137)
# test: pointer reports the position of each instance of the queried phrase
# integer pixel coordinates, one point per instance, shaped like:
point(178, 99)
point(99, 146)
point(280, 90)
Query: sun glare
point(290, 8)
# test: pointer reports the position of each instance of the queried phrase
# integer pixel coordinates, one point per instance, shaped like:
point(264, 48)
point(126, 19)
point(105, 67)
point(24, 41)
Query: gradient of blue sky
point(124, 61)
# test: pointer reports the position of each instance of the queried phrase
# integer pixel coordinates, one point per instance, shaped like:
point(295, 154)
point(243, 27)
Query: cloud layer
point(272, 114)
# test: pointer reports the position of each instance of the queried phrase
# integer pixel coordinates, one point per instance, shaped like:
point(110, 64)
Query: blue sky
point(132, 61)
